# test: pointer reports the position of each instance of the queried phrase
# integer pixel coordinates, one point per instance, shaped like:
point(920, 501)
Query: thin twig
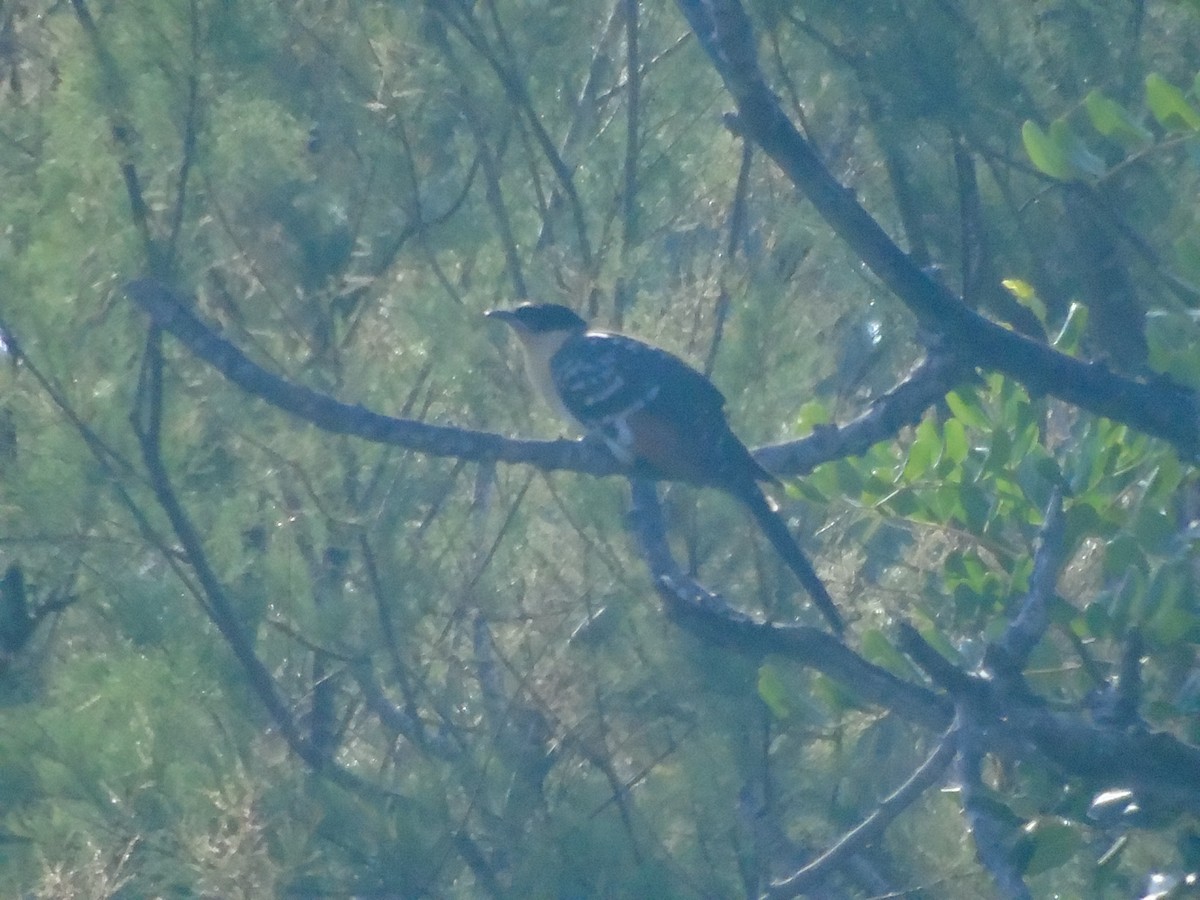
point(1030, 623)
point(872, 827)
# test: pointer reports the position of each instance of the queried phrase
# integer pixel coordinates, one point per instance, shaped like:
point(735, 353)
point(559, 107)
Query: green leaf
point(955, 437)
point(968, 567)
point(1169, 105)
point(1121, 604)
point(999, 456)
point(1047, 156)
point(902, 503)
point(1173, 339)
point(936, 639)
point(1121, 554)
point(923, 452)
point(1154, 529)
point(1163, 597)
point(1081, 160)
point(811, 414)
point(1164, 481)
point(1112, 120)
point(1026, 295)
point(772, 691)
point(1072, 330)
point(879, 650)
point(849, 478)
point(966, 408)
point(1170, 626)
point(1097, 620)
point(1051, 842)
point(976, 507)
point(1048, 469)
point(1060, 153)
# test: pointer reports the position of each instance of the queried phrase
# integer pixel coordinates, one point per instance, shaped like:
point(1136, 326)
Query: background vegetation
point(245, 656)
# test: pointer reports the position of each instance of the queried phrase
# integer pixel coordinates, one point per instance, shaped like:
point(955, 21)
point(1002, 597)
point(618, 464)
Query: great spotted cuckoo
point(655, 413)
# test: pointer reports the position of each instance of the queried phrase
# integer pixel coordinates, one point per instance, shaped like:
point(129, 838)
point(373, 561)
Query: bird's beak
point(504, 315)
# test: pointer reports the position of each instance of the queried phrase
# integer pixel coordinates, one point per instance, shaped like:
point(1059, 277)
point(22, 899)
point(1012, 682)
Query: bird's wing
point(602, 377)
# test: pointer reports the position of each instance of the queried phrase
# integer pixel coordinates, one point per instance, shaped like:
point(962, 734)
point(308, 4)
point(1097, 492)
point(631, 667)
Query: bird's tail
point(776, 530)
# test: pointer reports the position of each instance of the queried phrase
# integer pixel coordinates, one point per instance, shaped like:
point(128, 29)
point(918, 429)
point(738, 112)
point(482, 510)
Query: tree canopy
point(305, 595)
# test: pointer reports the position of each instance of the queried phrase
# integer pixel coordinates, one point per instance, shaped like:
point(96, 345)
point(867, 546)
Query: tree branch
point(903, 405)
point(169, 311)
point(708, 616)
point(989, 831)
point(146, 420)
point(1019, 724)
point(873, 826)
point(1031, 621)
point(1158, 408)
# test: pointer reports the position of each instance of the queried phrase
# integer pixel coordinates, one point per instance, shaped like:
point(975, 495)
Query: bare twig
point(189, 137)
point(870, 828)
point(146, 421)
point(737, 225)
point(460, 18)
point(586, 106)
point(490, 165)
point(1019, 725)
point(626, 288)
point(1030, 623)
point(123, 136)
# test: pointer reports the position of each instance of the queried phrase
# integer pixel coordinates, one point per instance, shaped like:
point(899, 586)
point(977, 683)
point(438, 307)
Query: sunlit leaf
point(1046, 154)
point(1112, 120)
point(955, 436)
point(1169, 105)
point(1051, 842)
point(923, 451)
point(811, 414)
point(772, 691)
point(965, 407)
point(1027, 296)
point(879, 650)
point(1073, 328)
point(1059, 153)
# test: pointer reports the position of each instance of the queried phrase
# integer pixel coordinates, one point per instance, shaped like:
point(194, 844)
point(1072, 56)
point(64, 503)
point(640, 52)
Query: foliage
point(379, 672)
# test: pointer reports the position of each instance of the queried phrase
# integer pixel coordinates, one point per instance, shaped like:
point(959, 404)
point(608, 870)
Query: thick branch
point(904, 405)
point(708, 616)
point(169, 311)
point(1019, 725)
point(1161, 408)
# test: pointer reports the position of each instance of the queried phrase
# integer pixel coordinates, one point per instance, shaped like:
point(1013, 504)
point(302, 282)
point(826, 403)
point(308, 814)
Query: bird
point(656, 414)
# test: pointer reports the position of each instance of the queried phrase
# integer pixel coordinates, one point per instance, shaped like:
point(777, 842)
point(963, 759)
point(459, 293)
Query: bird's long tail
point(776, 530)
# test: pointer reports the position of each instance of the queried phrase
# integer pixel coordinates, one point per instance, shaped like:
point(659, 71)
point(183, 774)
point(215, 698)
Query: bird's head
point(540, 318)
